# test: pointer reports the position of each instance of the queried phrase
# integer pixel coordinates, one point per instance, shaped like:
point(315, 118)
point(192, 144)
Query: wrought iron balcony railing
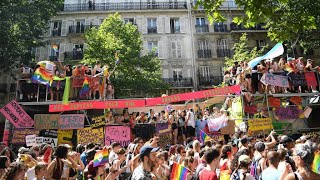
point(202, 28)
point(223, 53)
point(210, 80)
point(179, 82)
point(204, 53)
point(152, 30)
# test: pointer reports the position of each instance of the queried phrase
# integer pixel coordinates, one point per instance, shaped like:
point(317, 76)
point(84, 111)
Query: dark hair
point(201, 153)
point(260, 147)
point(180, 149)
point(80, 148)
point(282, 153)
point(208, 143)
point(115, 144)
point(211, 155)
point(3, 162)
point(226, 149)
point(136, 140)
point(61, 152)
point(244, 141)
point(234, 161)
point(90, 155)
point(273, 158)
point(39, 166)
point(13, 170)
point(12, 155)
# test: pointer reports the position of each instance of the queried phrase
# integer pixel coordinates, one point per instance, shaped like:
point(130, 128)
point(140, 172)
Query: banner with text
point(98, 121)
point(65, 137)
point(16, 115)
point(298, 79)
point(277, 80)
point(71, 121)
point(89, 135)
point(19, 135)
point(260, 124)
point(121, 134)
point(96, 105)
point(193, 95)
point(311, 79)
point(46, 121)
point(288, 113)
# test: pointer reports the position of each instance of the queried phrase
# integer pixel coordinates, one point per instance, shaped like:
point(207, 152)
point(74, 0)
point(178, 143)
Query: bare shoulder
point(290, 177)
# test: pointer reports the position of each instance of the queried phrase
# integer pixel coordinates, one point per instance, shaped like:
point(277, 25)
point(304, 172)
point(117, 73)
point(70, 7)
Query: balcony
point(73, 55)
point(220, 28)
point(210, 80)
point(124, 6)
point(202, 28)
point(179, 82)
point(225, 5)
point(204, 53)
point(56, 32)
point(223, 53)
point(80, 29)
point(240, 28)
point(152, 30)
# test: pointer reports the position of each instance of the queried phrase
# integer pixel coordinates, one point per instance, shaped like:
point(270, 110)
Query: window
point(129, 20)
point(223, 50)
point(177, 74)
point(174, 26)
point(260, 44)
point(222, 44)
point(201, 25)
point(204, 51)
point(203, 44)
point(56, 31)
point(205, 72)
point(200, 21)
point(77, 51)
point(220, 27)
point(78, 28)
point(153, 45)
point(152, 25)
point(176, 50)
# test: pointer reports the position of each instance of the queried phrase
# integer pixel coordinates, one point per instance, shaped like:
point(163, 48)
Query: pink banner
point(193, 95)
point(121, 134)
point(71, 121)
point(16, 115)
point(277, 80)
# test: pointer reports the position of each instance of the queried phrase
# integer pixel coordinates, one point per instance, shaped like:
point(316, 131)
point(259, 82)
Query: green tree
point(23, 23)
point(286, 20)
point(242, 52)
point(140, 74)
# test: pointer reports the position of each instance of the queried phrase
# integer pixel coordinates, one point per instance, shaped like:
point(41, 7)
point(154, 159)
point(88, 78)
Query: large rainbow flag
point(85, 88)
point(203, 137)
point(316, 163)
point(101, 158)
point(178, 172)
point(42, 76)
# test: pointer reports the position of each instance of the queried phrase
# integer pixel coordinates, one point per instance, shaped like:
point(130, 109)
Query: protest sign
point(274, 102)
point(162, 127)
point(98, 122)
point(65, 137)
point(46, 121)
point(236, 110)
point(287, 113)
point(71, 121)
point(16, 115)
point(307, 111)
point(260, 124)
point(39, 141)
point(296, 100)
point(19, 135)
point(31, 140)
point(96, 105)
point(89, 135)
point(311, 79)
point(77, 82)
point(277, 80)
point(49, 133)
point(217, 123)
point(216, 137)
point(164, 133)
point(121, 134)
point(229, 129)
point(52, 141)
point(298, 79)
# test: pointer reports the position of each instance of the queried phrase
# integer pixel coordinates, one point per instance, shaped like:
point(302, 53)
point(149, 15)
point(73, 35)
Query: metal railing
point(80, 28)
point(152, 30)
point(73, 55)
point(202, 28)
point(124, 6)
point(56, 32)
point(220, 28)
point(210, 80)
point(223, 53)
point(179, 82)
point(204, 53)
point(225, 5)
point(235, 27)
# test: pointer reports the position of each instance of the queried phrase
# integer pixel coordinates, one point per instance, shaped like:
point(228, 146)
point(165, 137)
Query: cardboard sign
point(39, 141)
point(65, 137)
point(164, 132)
point(19, 135)
point(49, 133)
point(298, 79)
point(277, 80)
point(274, 102)
point(77, 82)
point(89, 135)
point(229, 129)
point(96, 105)
point(98, 122)
point(287, 113)
point(121, 134)
point(251, 109)
point(311, 79)
point(16, 115)
point(71, 121)
point(260, 124)
point(52, 141)
point(46, 121)
point(296, 100)
point(31, 140)
point(162, 128)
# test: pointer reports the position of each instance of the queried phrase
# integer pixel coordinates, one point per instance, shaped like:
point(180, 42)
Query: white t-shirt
point(30, 174)
point(191, 121)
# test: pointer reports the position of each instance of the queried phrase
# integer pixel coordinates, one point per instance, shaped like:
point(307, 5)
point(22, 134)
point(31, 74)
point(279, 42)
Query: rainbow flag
point(316, 163)
point(85, 87)
point(203, 137)
point(42, 76)
point(288, 68)
point(178, 172)
point(101, 158)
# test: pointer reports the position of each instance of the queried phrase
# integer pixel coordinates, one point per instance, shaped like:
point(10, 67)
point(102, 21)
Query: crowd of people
point(241, 158)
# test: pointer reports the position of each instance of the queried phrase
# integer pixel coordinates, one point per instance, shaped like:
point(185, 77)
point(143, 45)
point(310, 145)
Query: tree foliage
point(23, 23)
point(140, 74)
point(242, 52)
point(286, 20)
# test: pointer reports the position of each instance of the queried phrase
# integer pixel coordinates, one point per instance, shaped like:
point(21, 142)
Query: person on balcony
point(95, 83)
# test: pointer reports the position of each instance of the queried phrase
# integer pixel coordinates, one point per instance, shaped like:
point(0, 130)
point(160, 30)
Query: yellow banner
point(260, 124)
point(87, 135)
point(65, 137)
point(236, 110)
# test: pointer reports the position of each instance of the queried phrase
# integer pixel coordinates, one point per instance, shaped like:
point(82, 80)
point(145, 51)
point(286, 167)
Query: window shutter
point(87, 22)
point(173, 49)
point(167, 25)
point(62, 49)
point(145, 48)
point(182, 25)
point(179, 49)
point(160, 50)
point(160, 25)
point(64, 28)
point(144, 26)
point(42, 54)
point(69, 47)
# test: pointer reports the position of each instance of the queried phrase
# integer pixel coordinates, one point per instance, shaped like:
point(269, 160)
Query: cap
point(146, 150)
point(286, 139)
point(244, 158)
point(289, 59)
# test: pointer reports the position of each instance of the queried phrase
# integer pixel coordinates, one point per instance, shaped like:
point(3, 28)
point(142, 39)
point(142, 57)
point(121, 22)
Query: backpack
point(254, 169)
point(235, 176)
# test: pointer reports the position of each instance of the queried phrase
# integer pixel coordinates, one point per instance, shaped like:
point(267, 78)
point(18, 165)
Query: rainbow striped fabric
point(203, 137)
point(316, 163)
point(178, 172)
point(101, 158)
point(42, 76)
point(85, 88)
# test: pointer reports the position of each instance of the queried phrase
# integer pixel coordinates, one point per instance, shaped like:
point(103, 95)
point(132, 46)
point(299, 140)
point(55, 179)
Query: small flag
point(316, 163)
point(203, 137)
point(55, 48)
point(178, 172)
point(42, 76)
point(101, 158)
point(85, 88)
